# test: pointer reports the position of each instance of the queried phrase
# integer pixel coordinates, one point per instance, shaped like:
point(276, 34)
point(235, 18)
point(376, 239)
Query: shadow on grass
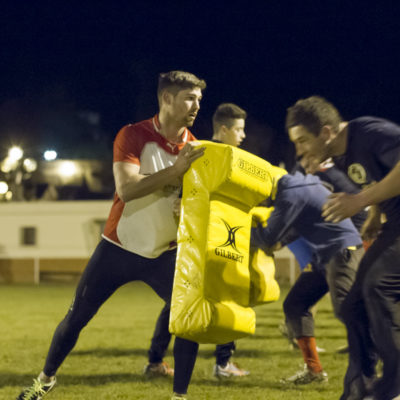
point(271, 313)
point(271, 324)
point(21, 380)
point(110, 352)
point(203, 353)
point(244, 353)
point(266, 336)
point(243, 383)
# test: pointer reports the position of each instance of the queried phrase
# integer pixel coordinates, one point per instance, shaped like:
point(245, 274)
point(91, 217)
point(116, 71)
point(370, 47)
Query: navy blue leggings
point(109, 268)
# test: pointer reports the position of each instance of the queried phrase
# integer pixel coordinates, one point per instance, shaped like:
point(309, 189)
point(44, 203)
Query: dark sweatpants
point(372, 317)
point(109, 268)
point(311, 286)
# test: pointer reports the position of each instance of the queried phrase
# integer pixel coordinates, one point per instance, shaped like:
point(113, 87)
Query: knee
point(291, 308)
point(76, 320)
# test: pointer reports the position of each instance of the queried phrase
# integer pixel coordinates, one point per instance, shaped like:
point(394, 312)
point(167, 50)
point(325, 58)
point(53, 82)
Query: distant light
point(7, 165)
point(50, 155)
point(68, 169)
point(3, 187)
point(8, 196)
point(30, 164)
point(15, 153)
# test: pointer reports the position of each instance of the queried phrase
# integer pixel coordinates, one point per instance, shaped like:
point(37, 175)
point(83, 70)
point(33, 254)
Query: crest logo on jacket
point(357, 173)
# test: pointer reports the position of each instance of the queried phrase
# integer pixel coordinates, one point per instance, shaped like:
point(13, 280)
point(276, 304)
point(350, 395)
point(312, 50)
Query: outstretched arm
point(342, 205)
point(278, 224)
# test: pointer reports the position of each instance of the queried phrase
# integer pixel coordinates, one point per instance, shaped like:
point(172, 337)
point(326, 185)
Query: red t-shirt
point(145, 226)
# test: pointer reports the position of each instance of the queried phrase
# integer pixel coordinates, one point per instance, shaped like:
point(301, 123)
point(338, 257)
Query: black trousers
point(372, 318)
point(109, 268)
point(162, 337)
point(337, 277)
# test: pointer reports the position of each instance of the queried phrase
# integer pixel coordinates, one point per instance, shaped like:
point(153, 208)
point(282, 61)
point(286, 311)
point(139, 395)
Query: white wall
point(66, 230)
point(63, 228)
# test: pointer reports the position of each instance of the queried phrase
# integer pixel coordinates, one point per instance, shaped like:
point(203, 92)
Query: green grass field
point(108, 360)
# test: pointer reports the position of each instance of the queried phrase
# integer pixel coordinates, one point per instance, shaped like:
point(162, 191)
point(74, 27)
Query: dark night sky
point(62, 57)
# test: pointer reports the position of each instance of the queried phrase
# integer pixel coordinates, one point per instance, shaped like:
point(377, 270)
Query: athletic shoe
point(178, 397)
point(37, 391)
point(361, 387)
point(156, 370)
point(306, 376)
point(231, 370)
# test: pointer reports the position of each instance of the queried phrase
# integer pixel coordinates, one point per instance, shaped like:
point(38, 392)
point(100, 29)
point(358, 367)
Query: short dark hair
point(225, 114)
point(175, 81)
point(313, 113)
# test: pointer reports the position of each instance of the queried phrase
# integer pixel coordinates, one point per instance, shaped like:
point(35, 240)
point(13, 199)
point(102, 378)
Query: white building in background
point(48, 238)
point(42, 240)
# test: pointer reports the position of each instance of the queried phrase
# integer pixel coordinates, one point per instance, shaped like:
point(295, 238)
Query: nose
point(299, 150)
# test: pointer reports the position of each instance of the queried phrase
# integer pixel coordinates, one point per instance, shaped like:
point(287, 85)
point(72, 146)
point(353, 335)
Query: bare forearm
point(130, 184)
point(147, 184)
point(385, 189)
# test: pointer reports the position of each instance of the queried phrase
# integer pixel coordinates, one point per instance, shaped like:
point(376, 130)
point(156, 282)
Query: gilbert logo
point(252, 169)
point(230, 242)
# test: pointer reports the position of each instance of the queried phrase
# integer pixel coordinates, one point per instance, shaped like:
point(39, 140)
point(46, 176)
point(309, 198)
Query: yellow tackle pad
point(217, 280)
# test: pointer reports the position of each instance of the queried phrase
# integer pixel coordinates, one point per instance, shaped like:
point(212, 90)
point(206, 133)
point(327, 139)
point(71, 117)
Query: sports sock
point(308, 347)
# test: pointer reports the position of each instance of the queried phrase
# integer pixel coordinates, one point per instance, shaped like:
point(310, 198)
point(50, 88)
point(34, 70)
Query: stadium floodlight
point(68, 169)
point(30, 165)
point(15, 153)
point(3, 187)
point(50, 155)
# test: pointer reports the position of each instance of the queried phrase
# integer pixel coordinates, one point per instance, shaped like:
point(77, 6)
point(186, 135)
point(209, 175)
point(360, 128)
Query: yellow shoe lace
point(35, 390)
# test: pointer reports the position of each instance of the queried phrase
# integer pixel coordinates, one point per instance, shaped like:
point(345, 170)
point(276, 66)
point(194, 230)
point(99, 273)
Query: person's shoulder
point(145, 124)
point(144, 127)
point(370, 123)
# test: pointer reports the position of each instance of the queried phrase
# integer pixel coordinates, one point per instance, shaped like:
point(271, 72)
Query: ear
point(224, 129)
point(326, 133)
point(166, 97)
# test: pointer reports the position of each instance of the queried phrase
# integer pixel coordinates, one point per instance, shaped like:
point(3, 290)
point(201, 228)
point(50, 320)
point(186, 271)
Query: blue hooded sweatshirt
point(298, 207)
